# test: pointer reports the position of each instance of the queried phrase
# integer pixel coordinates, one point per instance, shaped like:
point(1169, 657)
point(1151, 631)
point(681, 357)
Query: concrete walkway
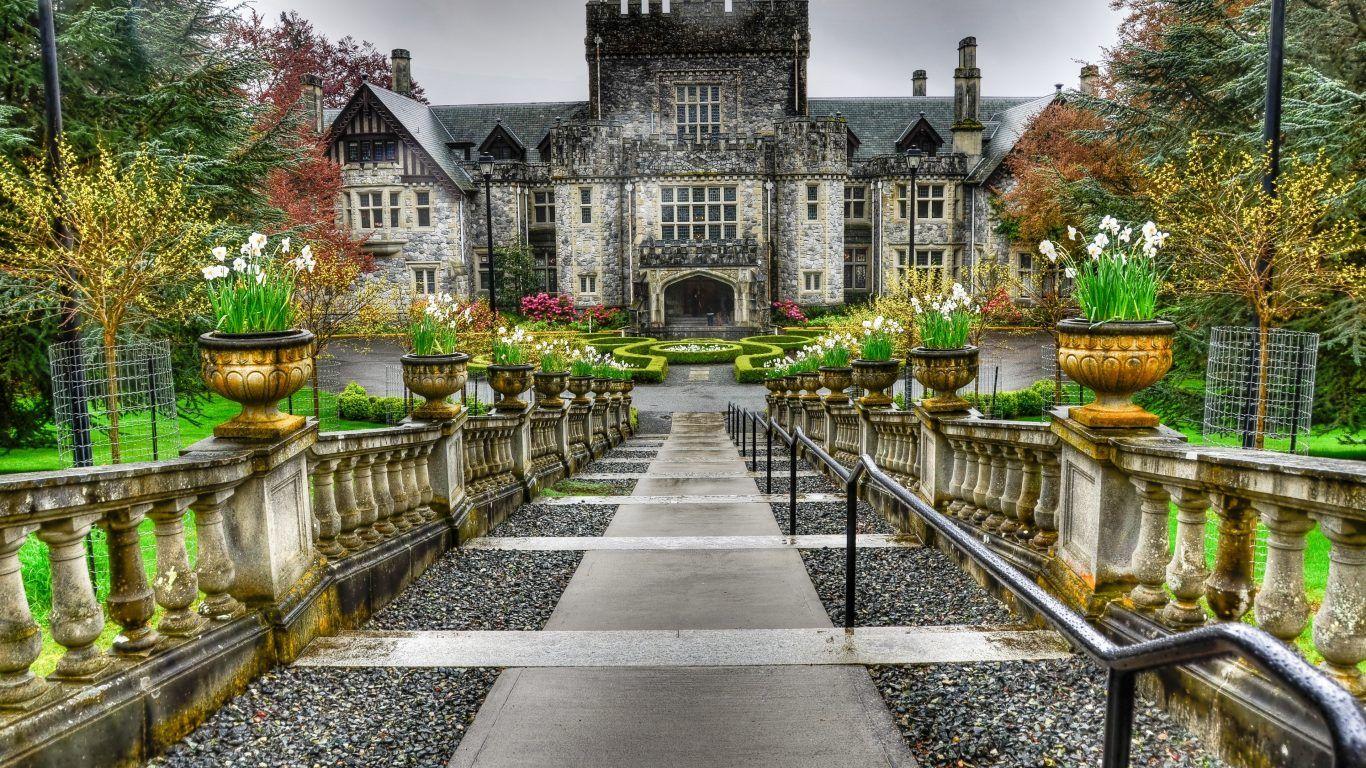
point(790, 716)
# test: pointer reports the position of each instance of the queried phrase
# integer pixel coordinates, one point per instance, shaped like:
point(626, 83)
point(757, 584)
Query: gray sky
point(472, 51)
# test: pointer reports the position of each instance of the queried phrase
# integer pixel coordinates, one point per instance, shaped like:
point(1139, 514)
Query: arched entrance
point(699, 299)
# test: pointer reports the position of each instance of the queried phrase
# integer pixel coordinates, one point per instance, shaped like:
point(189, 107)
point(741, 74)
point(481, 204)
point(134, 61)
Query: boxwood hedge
point(754, 355)
point(786, 342)
point(725, 351)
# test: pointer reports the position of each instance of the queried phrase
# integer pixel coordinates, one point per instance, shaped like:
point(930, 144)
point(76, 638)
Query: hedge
point(353, 404)
point(727, 352)
point(810, 333)
point(787, 343)
point(1011, 404)
point(749, 366)
point(645, 365)
point(616, 342)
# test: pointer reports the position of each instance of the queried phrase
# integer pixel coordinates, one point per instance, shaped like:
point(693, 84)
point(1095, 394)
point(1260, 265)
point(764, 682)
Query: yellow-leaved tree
point(136, 240)
point(1283, 255)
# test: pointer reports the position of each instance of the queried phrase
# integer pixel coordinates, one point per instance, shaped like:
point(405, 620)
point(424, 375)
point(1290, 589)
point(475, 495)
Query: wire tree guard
point(1243, 402)
point(114, 413)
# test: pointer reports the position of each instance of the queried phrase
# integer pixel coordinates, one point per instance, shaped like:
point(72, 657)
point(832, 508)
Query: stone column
point(1150, 558)
point(130, 601)
point(1281, 607)
point(176, 585)
point(21, 641)
point(1340, 624)
point(447, 466)
point(936, 459)
point(76, 617)
point(1187, 571)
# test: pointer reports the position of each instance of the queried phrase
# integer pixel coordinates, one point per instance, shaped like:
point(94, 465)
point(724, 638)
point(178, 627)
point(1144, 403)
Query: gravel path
point(804, 485)
point(903, 587)
point(1022, 714)
point(312, 716)
point(634, 469)
point(545, 520)
point(826, 517)
point(482, 590)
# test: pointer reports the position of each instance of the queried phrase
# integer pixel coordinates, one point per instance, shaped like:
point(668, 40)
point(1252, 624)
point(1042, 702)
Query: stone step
point(692, 475)
point(762, 498)
point(686, 647)
point(596, 543)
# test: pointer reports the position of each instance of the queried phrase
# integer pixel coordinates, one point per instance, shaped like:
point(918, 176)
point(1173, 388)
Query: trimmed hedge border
point(749, 366)
point(813, 332)
point(785, 342)
point(645, 364)
point(728, 351)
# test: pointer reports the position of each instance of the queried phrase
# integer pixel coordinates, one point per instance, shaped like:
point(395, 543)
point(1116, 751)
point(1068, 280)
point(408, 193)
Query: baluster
point(216, 571)
point(366, 506)
point(384, 499)
point(1010, 498)
point(1340, 624)
point(1149, 560)
point(413, 500)
point(344, 494)
point(21, 641)
point(398, 492)
point(176, 585)
point(1029, 494)
point(1187, 571)
point(424, 481)
point(982, 490)
point(130, 601)
point(964, 467)
point(1046, 510)
point(76, 617)
point(1281, 607)
point(325, 508)
point(1230, 588)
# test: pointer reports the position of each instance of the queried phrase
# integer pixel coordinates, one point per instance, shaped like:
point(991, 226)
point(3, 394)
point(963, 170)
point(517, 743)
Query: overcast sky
point(471, 51)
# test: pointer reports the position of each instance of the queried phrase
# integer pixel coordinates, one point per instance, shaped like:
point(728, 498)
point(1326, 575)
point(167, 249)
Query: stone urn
point(837, 380)
point(944, 371)
point(580, 386)
point(1115, 360)
point(549, 385)
point(791, 389)
point(774, 386)
point(876, 377)
point(601, 388)
point(435, 378)
point(810, 382)
point(620, 387)
point(510, 381)
point(257, 371)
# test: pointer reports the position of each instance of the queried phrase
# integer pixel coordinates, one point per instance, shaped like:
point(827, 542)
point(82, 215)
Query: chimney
point(312, 100)
point(967, 92)
point(918, 83)
point(401, 68)
point(1090, 80)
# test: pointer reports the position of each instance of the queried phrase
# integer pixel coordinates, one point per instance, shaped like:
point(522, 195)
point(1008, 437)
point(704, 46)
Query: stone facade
point(696, 155)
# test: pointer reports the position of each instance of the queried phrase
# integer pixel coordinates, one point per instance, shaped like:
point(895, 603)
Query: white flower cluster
point(250, 261)
point(695, 348)
point(1111, 233)
point(517, 337)
point(957, 300)
point(882, 324)
point(445, 309)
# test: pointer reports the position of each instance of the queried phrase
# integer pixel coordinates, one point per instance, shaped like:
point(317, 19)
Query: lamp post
point(913, 156)
point(486, 169)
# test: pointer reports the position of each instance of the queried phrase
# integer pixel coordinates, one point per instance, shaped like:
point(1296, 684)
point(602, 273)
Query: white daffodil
point(220, 253)
point(284, 245)
point(257, 241)
point(1110, 223)
point(1126, 234)
point(1072, 233)
point(1149, 230)
point(239, 264)
point(1095, 250)
point(1070, 273)
point(1047, 248)
point(260, 278)
point(1102, 239)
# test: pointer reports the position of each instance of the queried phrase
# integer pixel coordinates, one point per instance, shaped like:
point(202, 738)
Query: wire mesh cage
point(1259, 391)
point(322, 403)
point(1065, 391)
point(114, 410)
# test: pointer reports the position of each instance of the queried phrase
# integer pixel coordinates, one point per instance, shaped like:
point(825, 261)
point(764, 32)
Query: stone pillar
point(268, 522)
point(936, 460)
point(446, 466)
point(521, 445)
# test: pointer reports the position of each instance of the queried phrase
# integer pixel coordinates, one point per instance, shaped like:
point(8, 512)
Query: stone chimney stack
point(312, 100)
point(918, 83)
point(401, 67)
point(967, 93)
point(1090, 80)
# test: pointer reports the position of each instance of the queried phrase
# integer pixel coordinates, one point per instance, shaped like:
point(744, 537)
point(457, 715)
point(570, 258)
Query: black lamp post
point(913, 156)
point(486, 168)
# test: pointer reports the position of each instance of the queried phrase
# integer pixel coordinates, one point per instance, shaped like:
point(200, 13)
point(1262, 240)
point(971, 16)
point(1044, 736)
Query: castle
point(697, 183)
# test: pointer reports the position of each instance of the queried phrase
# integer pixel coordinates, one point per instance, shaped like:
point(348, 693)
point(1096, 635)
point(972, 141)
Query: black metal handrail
point(1339, 710)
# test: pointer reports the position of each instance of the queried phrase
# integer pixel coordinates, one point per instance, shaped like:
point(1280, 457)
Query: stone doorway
point(699, 300)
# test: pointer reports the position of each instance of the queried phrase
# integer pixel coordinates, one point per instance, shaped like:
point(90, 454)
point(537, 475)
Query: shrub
point(786, 342)
point(645, 365)
point(1031, 403)
point(788, 310)
point(353, 404)
point(387, 410)
point(548, 308)
point(754, 355)
point(596, 318)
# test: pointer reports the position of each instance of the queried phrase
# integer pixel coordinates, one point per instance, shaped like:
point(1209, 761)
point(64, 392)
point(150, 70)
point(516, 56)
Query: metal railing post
point(768, 420)
point(792, 485)
point(851, 546)
point(741, 416)
point(1119, 719)
point(754, 442)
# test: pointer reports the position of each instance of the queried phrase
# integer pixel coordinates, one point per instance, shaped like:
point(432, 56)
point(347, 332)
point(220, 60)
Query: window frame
point(929, 206)
point(421, 211)
point(807, 274)
point(813, 202)
point(543, 205)
point(587, 289)
point(585, 208)
point(856, 206)
point(418, 283)
point(944, 265)
point(703, 96)
point(851, 283)
point(678, 215)
point(370, 207)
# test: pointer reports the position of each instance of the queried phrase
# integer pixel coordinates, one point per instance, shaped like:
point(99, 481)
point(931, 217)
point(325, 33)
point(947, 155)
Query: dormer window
point(371, 150)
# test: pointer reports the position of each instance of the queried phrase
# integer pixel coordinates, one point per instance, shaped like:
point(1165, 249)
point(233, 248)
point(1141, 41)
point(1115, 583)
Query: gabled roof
point(880, 121)
point(1008, 127)
point(501, 131)
point(529, 123)
point(415, 121)
point(920, 127)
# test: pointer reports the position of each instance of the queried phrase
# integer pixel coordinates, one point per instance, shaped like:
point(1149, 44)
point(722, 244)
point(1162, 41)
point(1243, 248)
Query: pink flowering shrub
point(788, 310)
point(600, 318)
point(548, 308)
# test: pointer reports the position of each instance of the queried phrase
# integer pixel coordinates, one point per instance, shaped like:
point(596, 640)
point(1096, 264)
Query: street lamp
point(486, 169)
point(913, 157)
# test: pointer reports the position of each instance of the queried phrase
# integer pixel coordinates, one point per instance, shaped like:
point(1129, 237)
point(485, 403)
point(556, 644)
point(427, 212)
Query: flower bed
point(785, 342)
point(645, 364)
point(754, 355)
point(697, 351)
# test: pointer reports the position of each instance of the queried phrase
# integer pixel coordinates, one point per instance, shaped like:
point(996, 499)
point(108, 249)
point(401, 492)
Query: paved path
point(789, 716)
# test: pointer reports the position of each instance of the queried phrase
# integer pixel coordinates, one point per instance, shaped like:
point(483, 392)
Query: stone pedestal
point(268, 521)
point(936, 458)
point(447, 465)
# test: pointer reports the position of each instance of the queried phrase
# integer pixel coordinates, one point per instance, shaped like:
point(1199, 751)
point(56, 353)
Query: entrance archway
point(699, 299)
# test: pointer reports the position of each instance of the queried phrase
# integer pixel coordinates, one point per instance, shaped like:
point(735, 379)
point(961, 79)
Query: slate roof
point(1010, 125)
point(879, 122)
point(528, 123)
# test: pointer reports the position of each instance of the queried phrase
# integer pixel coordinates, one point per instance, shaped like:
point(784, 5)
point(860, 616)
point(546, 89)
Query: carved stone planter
point(774, 386)
point(791, 389)
point(875, 376)
point(510, 381)
point(435, 378)
point(944, 371)
point(1115, 360)
point(550, 386)
point(810, 382)
point(837, 380)
point(257, 370)
point(601, 387)
point(580, 386)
